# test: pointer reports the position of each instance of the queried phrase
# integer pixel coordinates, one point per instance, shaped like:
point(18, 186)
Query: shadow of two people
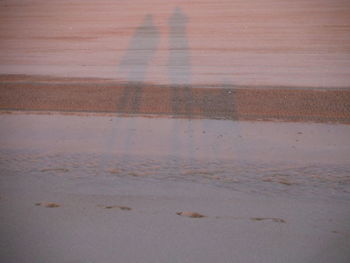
point(142, 49)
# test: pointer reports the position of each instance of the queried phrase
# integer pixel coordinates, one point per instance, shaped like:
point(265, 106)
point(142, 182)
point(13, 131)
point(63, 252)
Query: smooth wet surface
point(299, 159)
point(88, 188)
point(254, 43)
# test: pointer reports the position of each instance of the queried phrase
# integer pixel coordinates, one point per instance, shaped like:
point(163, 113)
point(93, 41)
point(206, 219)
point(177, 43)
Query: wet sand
point(247, 43)
point(105, 188)
point(81, 181)
point(243, 227)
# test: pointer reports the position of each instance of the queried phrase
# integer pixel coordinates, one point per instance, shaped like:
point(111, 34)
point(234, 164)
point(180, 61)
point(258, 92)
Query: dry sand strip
point(31, 93)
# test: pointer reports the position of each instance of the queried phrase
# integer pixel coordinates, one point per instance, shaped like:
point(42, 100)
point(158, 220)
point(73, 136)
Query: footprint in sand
point(277, 220)
point(59, 170)
point(114, 171)
point(190, 214)
point(48, 204)
point(125, 208)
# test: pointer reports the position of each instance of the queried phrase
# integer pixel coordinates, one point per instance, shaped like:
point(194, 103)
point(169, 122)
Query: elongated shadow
point(135, 62)
point(179, 74)
point(133, 66)
point(179, 63)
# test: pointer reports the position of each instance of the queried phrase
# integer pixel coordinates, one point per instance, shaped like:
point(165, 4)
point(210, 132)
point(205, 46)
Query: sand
point(91, 95)
point(251, 43)
point(185, 179)
point(106, 189)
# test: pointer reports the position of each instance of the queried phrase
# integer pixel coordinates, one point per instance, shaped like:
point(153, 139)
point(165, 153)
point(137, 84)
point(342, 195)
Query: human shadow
point(134, 63)
point(180, 74)
point(179, 63)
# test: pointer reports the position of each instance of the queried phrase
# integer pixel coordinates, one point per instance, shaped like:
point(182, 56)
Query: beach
point(244, 43)
point(172, 190)
point(153, 131)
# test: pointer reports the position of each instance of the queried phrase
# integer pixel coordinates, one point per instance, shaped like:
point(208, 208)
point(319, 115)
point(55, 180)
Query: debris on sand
point(135, 174)
point(284, 181)
point(274, 219)
point(190, 214)
point(126, 208)
point(278, 179)
point(48, 204)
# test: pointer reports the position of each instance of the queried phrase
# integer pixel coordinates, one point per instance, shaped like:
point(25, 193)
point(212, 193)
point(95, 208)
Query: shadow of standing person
point(179, 74)
point(135, 61)
point(179, 63)
point(133, 67)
